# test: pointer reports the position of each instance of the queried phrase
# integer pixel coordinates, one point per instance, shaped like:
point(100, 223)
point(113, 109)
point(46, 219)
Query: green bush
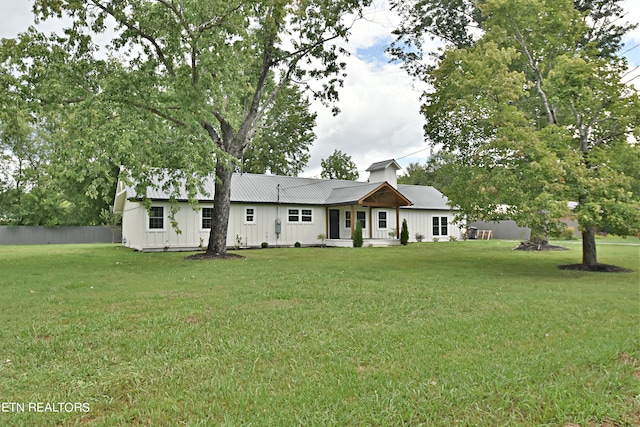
point(357, 235)
point(404, 234)
point(297, 244)
point(265, 245)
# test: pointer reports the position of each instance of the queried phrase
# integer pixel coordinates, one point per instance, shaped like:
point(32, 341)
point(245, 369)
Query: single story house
point(283, 210)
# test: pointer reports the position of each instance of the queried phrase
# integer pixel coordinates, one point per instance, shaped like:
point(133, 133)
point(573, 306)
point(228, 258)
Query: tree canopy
point(181, 85)
point(339, 165)
point(534, 110)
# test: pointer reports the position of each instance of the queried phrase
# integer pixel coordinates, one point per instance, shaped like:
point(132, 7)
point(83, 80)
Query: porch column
point(326, 221)
point(397, 222)
point(353, 220)
point(370, 223)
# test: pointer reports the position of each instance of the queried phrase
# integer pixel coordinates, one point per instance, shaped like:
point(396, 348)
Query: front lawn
point(434, 334)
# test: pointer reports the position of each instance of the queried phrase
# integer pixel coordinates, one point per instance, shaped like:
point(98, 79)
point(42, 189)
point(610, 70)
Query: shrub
point(404, 234)
point(297, 244)
point(419, 237)
point(357, 235)
point(264, 244)
point(322, 237)
point(453, 239)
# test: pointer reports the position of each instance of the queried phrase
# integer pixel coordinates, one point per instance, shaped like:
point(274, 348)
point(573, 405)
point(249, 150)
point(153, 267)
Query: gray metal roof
point(383, 165)
point(255, 188)
point(424, 197)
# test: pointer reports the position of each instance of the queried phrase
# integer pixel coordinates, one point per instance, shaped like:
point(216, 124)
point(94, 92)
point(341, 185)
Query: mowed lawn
point(434, 334)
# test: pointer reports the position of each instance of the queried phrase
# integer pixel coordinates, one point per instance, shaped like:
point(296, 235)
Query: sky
point(380, 105)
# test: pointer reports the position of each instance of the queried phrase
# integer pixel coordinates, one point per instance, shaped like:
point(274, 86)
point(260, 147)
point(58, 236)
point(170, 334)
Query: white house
point(283, 210)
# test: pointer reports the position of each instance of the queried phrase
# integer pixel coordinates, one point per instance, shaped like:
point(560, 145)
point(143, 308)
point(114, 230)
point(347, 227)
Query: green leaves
point(339, 166)
point(536, 116)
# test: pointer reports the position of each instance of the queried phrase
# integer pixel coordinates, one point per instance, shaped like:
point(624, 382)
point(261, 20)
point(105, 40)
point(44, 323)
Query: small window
point(362, 217)
point(294, 215)
point(156, 218)
point(436, 226)
point(347, 219)
point(307, 215)
point(249, 215)
point(443, 226)
point(207, 218)
point(382, 220)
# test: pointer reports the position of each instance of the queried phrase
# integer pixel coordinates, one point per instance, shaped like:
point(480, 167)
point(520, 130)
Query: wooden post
point(326, 222)
point(370, 223)
point(353, 221)
point(397, 222)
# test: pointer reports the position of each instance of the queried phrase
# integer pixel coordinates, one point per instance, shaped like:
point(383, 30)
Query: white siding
point(135, 225)
point(421, 221)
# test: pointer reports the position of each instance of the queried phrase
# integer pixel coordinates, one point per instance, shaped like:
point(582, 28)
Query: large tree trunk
point(589, 247)
point(221, 206)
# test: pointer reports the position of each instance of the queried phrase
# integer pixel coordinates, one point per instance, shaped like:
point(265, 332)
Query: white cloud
point(380, 116)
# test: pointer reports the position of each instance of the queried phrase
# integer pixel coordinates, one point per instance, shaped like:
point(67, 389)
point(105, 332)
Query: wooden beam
point(397, 222)
point(326, 222)
point(370, 223)
point(353, 220)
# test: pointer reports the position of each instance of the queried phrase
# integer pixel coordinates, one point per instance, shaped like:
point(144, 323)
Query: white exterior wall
point(264, 229)
point(137, 235)
point(388, 175)
point(421, 221)
point(135, 223)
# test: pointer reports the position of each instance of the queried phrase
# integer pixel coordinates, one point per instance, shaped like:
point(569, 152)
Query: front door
point(334, 224)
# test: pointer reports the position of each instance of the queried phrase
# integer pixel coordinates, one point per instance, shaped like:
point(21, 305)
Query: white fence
point(36, 235)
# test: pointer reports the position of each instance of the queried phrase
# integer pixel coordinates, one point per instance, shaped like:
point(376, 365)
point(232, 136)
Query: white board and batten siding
point(253, 223)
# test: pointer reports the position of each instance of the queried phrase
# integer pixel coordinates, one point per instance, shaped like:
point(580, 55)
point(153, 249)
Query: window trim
point(435, 225)
point(347, 219)
point(444, 226)
point(300, 215)
point(386, 220)
point(246, 215)
point(150, 217)
point(202, 218)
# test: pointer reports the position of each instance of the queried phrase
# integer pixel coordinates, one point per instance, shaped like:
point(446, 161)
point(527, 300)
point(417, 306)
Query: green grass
point(446, 334)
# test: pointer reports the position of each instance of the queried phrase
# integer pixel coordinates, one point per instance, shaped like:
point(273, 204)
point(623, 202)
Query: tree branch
point(551, 115)
point(122, 20)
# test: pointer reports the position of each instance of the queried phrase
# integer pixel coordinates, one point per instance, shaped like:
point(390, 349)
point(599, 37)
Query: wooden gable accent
point(384, 196)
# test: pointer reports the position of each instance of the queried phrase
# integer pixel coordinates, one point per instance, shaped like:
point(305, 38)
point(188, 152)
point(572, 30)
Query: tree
point(357, 235)
point(537, 116)
point(339, 166)
point(436, 172)
point(404, 234)
point(195, 78)
point(282, 144)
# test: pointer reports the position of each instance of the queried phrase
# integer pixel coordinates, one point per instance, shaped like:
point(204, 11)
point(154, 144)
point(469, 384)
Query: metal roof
point(424, 197)
point(383, 165)
point(256, 188)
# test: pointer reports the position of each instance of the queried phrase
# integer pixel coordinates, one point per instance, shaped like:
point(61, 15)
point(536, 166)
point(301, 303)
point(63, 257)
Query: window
point(347, 219)
point(440, 226)
point(249, 215)
point(156, 218)
point(300, 215)
point(443, 226)
point(382, 220)
point(207, 217)
point(362, 217)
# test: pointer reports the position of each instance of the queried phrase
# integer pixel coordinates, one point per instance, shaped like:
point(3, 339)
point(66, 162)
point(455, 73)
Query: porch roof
point(371, 194)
